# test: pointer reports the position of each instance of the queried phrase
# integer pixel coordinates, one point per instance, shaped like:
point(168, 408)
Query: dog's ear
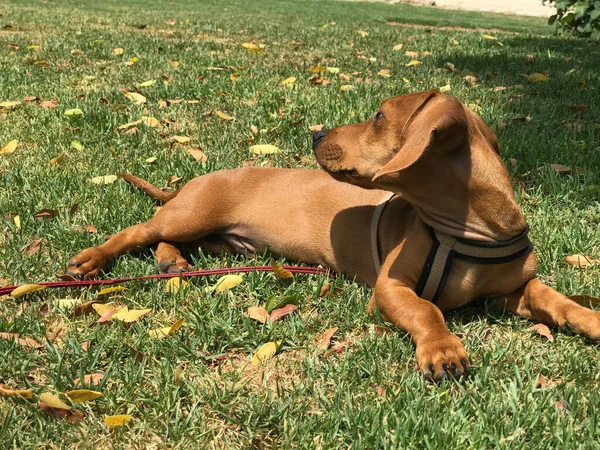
point(438, 125)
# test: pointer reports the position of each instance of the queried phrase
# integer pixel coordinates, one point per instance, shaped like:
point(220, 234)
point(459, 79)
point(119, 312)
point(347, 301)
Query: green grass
point(301, 399)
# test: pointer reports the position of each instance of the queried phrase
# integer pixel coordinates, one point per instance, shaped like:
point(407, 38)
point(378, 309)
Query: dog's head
point(405, 132)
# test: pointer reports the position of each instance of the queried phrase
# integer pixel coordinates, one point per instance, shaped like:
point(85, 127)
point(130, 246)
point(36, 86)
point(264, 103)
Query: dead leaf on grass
point(543, 331)
point(580, 261)
point(33, 247)
point(26, 289)
point(9, 392)
point(324, 339)
point(80, 395)
point(197, 154)
point(92, 379)
point(258, 313)
point(277, 314)
point(45, 214)
point(117, 421)
point(264, 353)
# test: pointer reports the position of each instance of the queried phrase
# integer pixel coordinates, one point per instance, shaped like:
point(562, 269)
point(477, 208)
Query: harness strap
point(374, 231)
point(445, 248)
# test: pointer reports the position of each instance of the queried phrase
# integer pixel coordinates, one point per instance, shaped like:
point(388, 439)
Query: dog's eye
point(379, 115)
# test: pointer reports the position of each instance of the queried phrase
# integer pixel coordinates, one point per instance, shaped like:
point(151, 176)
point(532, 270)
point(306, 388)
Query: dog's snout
point(318, 136)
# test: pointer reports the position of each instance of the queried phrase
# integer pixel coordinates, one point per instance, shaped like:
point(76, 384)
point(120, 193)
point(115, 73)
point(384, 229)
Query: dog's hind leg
point(169, 258)
point(199, 210)
point(541, 303)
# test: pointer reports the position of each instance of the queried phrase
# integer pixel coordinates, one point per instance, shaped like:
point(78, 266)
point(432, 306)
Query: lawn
point(187, 60)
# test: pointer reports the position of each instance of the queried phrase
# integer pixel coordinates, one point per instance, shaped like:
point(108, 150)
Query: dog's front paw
point(442, 356)
point(87, 264)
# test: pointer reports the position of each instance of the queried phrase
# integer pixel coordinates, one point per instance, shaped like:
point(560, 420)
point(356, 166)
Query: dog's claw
point(72, 263)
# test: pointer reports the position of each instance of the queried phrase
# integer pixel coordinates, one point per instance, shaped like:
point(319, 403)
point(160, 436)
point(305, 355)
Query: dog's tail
point(150, 189)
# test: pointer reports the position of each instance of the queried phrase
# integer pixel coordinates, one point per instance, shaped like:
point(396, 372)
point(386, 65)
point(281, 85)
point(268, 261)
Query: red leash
point(195, 273)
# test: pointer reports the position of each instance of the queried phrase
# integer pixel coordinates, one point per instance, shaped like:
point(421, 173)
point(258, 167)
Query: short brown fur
point(443, 163)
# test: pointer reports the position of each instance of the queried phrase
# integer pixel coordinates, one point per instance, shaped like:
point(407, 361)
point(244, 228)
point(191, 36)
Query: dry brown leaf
point(92, 379)
point(542, 382)
point(33, 247)
point(381, 391)
point(316, 127)
point(70, 415)
point(282, 312)
point(324, 339)
point(560, 168)
point(45, 214)
point(543, 331)
point(326, 291)
point(197, 154)
point(84, 308)
point(258, 313)
point(577, 108)
point(51, 104)
point(8, 392)
point(579, 260)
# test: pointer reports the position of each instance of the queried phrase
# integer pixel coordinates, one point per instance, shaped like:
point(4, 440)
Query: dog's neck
point(472, 198)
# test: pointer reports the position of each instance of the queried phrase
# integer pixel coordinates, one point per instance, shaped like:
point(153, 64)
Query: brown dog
point(452, 233)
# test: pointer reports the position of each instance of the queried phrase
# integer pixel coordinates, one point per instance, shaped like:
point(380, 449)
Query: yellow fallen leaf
point(265, 352)
point(535, 77)
point(74, 112)
point(175, 284)
point(414, 62)
point(264, 149)
point(347, 87)
point(163, 332)
point(9, 148)
point(180, 139)
point(136, 98)
point(226, 282)
point(17, 221)
point(279, 271)
point(9, 105)
point(147, 83)
point(398, 47)
point(105, 179)
point(384, 73)
point(253, 48)
point(234, 77)
point(117, 51)
point(102, 308)
point(117, 421)
point(68, 303)
point(53, 401)
point(363, 33)
point(489, 36)
point(258, 313)
point(475, 107)
point(178, 375)
point(411, 54)
point(333, 70)
point(26, 289)
point(445, 88)
point(110, 290)
point(150, 122)
point(223, 116)
point(80, 395)
point(8, 392)
point(131, 315)
point(288, 82)
point(129, 125)
point(151, 159)
point(173, 179)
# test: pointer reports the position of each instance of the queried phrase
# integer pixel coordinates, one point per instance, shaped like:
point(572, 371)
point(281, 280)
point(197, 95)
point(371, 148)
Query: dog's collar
point(445, 248)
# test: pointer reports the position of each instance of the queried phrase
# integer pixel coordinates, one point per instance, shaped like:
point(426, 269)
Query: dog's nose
point(317, 136)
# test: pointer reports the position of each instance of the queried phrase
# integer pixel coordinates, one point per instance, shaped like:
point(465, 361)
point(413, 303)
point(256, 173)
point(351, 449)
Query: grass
point(302, 398)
